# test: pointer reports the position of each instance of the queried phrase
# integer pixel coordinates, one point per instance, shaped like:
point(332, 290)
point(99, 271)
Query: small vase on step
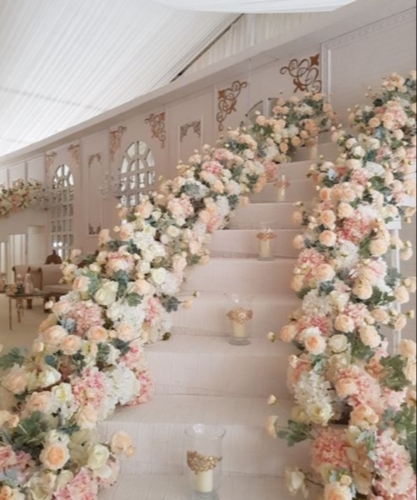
point(266, 240)
point(204, 460)
point(313, 149)
point(282, 188)
point(240, 316)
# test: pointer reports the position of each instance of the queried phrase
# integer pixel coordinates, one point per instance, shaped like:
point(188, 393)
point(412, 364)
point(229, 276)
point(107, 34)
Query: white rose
point(296, 482)
point(107, 293)
point(173, 232)
point(64, 479)
point(63, 393)
point(48, 377)
point(159, 276)
point(339, 343)
point(320, 414)
point(98, 457)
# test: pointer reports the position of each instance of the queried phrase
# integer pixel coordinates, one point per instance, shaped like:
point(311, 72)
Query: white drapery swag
point(257, 6)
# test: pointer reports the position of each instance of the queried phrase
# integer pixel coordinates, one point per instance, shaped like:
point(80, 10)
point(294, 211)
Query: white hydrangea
point(314, 305)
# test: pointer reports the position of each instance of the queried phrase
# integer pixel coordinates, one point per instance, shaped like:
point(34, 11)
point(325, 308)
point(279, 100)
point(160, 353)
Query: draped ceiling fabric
point(65, 61)
point(257, 6)
point(250, 30)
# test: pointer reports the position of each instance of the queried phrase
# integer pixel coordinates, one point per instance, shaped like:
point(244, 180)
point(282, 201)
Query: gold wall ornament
point(50, 160)
point(92, 231)
point(240, 315)
point(227, 101)
point(195, 126)
point(199, 463)
point(93, 158)
point(157, 124)
point(75, 152)
point(116, 141)
point(267, 235)
point(305, 73)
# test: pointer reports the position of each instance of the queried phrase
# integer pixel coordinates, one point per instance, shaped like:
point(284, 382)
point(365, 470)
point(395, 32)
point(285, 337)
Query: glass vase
point(204, 445)
point(240, 315)
point(266, 246)
point(282, 188)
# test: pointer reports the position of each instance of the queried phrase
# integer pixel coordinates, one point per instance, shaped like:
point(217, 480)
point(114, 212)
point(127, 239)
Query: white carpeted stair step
point(329, 150)
point(248, 276)
point(158, 432)
point(297, 191)
point(132, 487)
point(210, 366)
point(207, 316)
point(274, 215)
point(295, 171)
point(242, 243)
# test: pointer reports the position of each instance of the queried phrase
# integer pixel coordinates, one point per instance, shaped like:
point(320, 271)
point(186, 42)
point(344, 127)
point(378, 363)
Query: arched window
point(62, 211)
point(137, 173)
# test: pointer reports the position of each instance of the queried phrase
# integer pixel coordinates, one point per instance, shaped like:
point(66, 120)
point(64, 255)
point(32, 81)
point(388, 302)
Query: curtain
point(257, 6)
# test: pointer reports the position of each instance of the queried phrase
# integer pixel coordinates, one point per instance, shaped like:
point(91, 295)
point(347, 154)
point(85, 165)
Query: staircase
point(200, 378)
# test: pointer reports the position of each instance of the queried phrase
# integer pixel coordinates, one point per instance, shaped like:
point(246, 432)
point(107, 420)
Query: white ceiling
point(65, 61)
point(257, 6)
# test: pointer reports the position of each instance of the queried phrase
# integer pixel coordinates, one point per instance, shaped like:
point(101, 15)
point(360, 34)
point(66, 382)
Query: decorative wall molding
point(195, 126)
point(305, 74)
point(50, 160)
point(75, 153)
point(353, 36)
point(157, 124)
point(92, 231)
point(116, 141)
point(227, 101)
point(93, 158)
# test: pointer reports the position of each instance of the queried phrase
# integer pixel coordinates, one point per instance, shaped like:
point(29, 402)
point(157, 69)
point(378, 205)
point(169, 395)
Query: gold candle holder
point(282, 187)
point(239, 319)
point(266, 244)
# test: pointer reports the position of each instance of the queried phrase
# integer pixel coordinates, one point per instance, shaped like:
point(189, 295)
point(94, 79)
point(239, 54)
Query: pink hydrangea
point(134, 358)
point(357, 312)
point(213, 167)
point(360, 176)
point(20, 461)
point(323, 323)
point(154, 310)
point(119, 262)
point(84, 486)
point(89, 388)
point(395, 471)
point(146, 388)
point(330, 449)
point(355, 228)
point(86, 314)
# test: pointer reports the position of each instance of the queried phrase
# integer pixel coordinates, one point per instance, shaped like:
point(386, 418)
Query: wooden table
point(20, 305)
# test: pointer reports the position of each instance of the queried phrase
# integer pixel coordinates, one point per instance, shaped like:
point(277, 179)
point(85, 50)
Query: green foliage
point(124, 347)
point(52, 360)
point(134, 299)
point(393, 277)
point(103, 353)
point(394, 377)
point(295, 433)
point(170, 303)
point(359, 349)
point(29, 434)
point(122, 279)
point(13, 357)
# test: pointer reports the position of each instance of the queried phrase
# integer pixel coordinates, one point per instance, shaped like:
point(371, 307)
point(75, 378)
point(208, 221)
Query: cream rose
point(345, 211)
point(121, 444)
point(48, 377)
point(271, 426)
point(339, 343)
point(98, 457)
point(344, 324)
point(98, 335)
point(328, 238)
point(54, 336)
point(299, 415)
point(400, 323)
point(402, 295)
point(315, 343)
point(55, 456)
point(87, 418)
point(296, 482)
point(126, 232)
point(320, 414)
point(410, 371)
point(346, 387)
point(81, 284)
point(297, 283)
point(298, 242)
point(337, 492)
point(324, 272)
point(125, 332)
point(379, 247)
point(289, 333)
point(107, 293)
point(104, 237)
point(297, 218)
point(16, 381)
point(370, 336)
point(71, 345)
point(364, 417)
point(363, 289)
point(380, 316)
point(159, 276)
point(40, 401)
point(328, 218)
point(408, 349)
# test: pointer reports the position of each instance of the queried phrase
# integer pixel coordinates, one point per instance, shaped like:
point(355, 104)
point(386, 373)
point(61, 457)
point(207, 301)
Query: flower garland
point(344, 372)
point(21, 196)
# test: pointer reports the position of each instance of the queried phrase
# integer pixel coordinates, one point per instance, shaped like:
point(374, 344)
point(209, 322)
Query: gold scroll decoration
point(74, 151)
point(93, 158)
point(227, 101)
point(157, 124)
point(195, 126)
point(305, 74)
point(116, 141)
point(240, 315)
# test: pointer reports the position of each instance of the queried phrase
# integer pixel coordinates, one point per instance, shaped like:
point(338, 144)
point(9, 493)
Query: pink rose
point(370, 336)
point(54, 336)
point(344, 324)
point(55, 456)
point(98, 334)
